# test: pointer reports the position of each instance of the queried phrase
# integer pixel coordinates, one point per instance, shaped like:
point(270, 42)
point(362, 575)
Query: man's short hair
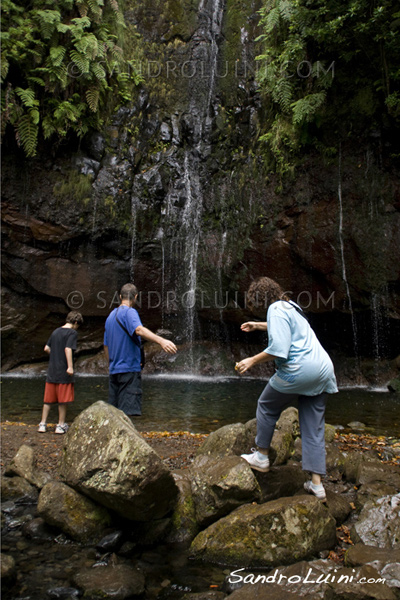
point(128, 291)
point(74, 317)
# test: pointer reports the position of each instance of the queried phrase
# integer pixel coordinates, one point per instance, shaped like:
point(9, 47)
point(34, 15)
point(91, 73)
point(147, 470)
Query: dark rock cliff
point(176, 196)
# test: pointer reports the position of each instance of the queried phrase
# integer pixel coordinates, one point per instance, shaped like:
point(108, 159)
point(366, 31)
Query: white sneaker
point(257, 461)
point(317, 490)
point(42, 428)
point(61, 428)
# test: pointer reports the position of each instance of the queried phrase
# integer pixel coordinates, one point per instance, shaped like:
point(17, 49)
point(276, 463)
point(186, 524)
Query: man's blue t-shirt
point(124, 353)
point(303, 366)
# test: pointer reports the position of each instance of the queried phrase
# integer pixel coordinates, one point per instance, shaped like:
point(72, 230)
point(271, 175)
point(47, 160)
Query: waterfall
point(183, 208)
point(191, 226)
point(344, 274)
point(135, 202)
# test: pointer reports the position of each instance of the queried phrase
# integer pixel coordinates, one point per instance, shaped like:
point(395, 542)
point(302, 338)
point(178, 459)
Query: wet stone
point(110, 542)
point(63, 593)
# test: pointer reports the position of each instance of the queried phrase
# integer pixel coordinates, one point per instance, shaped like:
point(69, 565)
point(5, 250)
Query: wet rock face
point(174, 194)
point(106, 459)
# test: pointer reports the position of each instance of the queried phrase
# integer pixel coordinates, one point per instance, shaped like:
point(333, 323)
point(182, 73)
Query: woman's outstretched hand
point(249, 326)
point(245, 364)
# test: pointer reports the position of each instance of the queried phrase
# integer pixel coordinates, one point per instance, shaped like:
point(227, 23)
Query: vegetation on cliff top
point(63, 67)
point(329, 70)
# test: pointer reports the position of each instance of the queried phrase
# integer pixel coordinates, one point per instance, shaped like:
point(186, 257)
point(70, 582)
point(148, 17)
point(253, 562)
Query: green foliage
point(328, 70)
point(63, 67)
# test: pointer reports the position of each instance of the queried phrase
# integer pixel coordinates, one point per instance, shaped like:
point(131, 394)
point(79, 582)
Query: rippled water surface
point(197, 405)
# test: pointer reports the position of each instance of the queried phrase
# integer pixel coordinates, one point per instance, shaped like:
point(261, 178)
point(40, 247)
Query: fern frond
point(272, 20)
point(81, 61)
point(27, 134)
point(92, 97)
point(57, 54)
point(37, 81)
point(305, 108)
point(27, 96)
point(82, 8)
point(283, 93)
point(4, 68)
point(48, 21)
point(98, 71)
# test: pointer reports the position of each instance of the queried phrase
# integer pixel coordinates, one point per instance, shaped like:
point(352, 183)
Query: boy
point(59, 388)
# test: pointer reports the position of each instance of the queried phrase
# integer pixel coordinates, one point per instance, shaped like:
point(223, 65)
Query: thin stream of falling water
point(134, 212)
point(344, 274)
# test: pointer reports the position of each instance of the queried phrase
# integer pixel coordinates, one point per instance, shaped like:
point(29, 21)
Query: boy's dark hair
point(128, 291)
point(74, 317)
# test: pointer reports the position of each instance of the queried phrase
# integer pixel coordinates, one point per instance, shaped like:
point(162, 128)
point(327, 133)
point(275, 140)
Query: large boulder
point(379, 522)
point(238, 438)
point(76, 515)
point(234, 439)
point(221, 484)
point(279, 532)
point(106, 459)
point(24, 465)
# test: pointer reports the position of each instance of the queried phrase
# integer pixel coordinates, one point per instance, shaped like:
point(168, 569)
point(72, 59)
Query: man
point(122, 346)
point(59, 387)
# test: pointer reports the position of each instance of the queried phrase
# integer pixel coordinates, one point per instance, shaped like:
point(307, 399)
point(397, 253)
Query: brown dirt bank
point(176, 448)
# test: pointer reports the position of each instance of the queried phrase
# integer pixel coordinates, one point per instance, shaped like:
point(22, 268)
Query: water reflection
point(199, 405)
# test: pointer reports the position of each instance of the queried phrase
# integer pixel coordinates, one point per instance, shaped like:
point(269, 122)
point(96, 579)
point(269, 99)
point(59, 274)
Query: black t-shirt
point(61, 338)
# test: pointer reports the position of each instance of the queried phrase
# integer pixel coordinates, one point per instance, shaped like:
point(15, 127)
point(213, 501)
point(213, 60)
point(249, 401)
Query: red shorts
point(58, 393)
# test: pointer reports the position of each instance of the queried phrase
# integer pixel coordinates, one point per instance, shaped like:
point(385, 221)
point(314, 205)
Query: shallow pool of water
point(198, 405)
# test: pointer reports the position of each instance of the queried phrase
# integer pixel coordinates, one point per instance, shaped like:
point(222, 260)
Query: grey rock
point(38, 530)
point(219, 485)
point(275, 533)
point(373, 491)
point(110, 542)
point(18, 488)
point(362, 554)
point(117, 582)
point(165, 132)
point(95, 145)
point(379, 522)
point(76, 515)
point(8, 570)
point(281, 482)
point(237, 438)
point(357, 425)
point(63, 593)
point(229, 440)
point(338, 506)
point(330, 432)
point(24, 465)
point(87, 166)
point(212, 595)
point(107, 459)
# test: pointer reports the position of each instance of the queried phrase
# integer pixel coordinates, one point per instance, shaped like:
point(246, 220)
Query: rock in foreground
point(106, 459)
point(280, 532)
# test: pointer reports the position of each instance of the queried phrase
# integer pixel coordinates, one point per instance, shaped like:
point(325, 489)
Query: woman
point(304, 373)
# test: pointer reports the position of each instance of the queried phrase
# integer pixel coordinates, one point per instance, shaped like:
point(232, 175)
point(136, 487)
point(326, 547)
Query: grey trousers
point(312, 424)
